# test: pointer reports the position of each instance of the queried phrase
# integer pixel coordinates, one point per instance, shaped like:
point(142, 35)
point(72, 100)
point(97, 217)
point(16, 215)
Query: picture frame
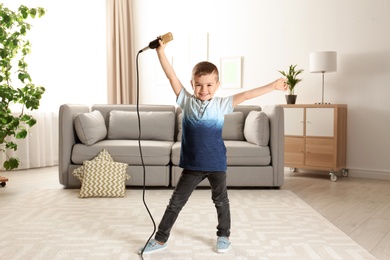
point(231, 72)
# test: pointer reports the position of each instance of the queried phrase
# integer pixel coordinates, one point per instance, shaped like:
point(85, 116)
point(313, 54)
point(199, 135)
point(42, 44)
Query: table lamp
point(321, 62)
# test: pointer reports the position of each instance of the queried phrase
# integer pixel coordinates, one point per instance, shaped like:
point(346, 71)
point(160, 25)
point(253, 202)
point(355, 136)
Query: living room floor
point(358, 207)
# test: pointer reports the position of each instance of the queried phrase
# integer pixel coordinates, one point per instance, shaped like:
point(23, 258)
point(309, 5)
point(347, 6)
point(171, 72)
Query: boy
point(203, 153)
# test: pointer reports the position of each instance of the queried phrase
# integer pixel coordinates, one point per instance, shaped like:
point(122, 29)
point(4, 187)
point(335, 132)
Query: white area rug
point(266, 224)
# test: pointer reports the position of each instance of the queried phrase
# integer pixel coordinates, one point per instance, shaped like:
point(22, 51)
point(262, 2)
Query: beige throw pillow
point(233, 127)
point(256, 129)
point(90, 127)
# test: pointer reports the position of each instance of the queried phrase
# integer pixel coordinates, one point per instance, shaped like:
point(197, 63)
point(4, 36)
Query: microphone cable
point(142, 160)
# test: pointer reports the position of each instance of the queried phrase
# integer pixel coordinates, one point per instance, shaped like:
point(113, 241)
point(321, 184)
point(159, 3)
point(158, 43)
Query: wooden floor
point(358, 207)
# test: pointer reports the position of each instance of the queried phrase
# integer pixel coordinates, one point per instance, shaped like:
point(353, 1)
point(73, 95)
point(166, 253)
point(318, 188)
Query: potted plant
point(292, 81)
point(16, 87)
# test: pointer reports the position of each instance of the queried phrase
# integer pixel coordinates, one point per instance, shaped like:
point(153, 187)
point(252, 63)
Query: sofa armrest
point(276, 118)
point(67, 138)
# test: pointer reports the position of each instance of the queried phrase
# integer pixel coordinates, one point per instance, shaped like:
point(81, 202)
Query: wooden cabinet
point(316, 137)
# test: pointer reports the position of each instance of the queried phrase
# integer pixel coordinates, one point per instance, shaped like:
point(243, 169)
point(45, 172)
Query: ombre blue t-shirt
point(202, 146)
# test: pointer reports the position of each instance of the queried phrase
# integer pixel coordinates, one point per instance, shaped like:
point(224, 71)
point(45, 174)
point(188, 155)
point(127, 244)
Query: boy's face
point(205, 86)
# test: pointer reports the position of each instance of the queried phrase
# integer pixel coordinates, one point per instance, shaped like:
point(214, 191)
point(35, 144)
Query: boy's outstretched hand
point(280, 84)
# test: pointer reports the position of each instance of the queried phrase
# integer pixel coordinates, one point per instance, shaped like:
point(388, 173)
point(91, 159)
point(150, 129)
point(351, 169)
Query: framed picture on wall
point(231, 72)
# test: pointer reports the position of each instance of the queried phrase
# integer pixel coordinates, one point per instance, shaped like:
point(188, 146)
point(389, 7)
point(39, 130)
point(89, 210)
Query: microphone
point(154, 44)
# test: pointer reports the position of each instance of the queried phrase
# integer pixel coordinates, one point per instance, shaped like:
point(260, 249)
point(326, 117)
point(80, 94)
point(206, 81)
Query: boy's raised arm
point(279, 84)
point(168, 70)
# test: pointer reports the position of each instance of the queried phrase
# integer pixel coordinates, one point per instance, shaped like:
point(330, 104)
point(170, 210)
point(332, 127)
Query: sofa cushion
point(102, 156)
point(154, 125)
point(232, 128)
point(175, 156)
point(243, 153)
point(126, 151)
point(104, 179)
point(256, 129)
point(90, 127)
point(179, 126)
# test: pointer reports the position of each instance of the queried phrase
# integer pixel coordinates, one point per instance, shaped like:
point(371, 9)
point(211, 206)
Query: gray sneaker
point(223, 244)
point(152, 246)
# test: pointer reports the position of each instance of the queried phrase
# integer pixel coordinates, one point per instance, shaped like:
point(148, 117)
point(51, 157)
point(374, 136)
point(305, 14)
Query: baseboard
point(369, 174)
point(355, 173)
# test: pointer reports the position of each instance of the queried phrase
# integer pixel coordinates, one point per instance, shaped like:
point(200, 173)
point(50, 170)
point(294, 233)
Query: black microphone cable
point(142, 160)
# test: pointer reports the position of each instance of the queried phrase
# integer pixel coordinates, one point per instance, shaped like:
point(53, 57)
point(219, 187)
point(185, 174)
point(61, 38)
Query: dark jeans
point(186, 185)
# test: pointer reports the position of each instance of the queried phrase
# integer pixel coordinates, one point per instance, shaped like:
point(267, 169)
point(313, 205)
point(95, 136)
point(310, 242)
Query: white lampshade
point(323, 61)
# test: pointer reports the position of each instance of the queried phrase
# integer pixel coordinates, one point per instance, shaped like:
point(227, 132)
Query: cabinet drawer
point(320, 152)
point(294, 150)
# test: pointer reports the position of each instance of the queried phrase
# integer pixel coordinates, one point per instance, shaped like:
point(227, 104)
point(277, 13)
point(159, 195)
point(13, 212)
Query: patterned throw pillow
point(104, 179)
point(102, 156)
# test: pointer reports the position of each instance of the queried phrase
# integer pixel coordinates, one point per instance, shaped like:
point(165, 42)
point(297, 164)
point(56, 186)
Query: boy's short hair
point(205, 68)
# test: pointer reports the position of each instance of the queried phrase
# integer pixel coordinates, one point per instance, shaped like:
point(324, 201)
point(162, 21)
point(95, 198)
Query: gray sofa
point(254, 142)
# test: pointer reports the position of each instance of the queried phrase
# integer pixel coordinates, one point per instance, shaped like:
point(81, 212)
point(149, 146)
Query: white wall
point(271, 35)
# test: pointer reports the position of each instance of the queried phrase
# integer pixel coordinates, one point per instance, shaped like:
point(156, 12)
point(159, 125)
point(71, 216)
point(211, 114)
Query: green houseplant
point(292, 81)
point(16, 87)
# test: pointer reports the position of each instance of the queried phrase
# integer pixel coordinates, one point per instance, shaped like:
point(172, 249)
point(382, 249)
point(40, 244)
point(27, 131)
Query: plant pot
point(290, 99)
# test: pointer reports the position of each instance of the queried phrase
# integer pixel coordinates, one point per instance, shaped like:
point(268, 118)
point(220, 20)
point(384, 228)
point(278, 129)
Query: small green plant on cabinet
point(292, 79)
point(16, 87)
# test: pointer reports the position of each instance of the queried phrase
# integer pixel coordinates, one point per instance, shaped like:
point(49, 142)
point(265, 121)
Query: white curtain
point(40, 147)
